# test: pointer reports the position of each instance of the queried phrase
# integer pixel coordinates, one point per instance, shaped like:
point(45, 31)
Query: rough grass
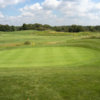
point(63, 67)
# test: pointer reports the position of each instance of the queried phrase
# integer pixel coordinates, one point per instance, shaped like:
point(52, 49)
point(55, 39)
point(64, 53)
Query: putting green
point(48, 56)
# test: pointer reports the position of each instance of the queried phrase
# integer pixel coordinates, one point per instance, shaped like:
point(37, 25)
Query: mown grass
point(55, 66)
point(47, 56)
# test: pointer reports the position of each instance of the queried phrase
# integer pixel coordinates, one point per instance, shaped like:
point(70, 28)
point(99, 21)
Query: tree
point(12, 28)
point(91, 28)
point(76, 28)
point(24, 27)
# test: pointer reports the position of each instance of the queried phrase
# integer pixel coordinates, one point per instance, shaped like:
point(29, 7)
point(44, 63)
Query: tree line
point(40, 27)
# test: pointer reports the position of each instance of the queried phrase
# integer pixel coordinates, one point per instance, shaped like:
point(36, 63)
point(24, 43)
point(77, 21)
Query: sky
point(52, 12)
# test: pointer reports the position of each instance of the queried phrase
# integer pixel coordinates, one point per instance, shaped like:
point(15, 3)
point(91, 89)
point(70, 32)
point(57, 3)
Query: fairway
point(49, 50)
point(47, 56)
point(49, 67)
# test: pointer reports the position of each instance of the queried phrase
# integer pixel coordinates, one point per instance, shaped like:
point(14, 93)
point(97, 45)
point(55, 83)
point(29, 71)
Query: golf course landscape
point(49, 65)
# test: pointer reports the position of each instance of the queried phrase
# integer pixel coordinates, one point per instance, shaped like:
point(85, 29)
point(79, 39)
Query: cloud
point(1, 15)
point(57, 12)
point(4, 3)
point(82, 8)
point(51, 4)
point(71, 11)
point(34, 7)
point(37, 13)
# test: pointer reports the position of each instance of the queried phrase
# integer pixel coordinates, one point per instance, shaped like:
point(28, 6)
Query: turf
point(47, 56)
point(59, 66)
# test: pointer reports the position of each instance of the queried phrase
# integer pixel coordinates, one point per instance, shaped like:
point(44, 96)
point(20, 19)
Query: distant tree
point(46, 27)
point(65, 29)
point(76, 28)
point(12, 28)
point(91, 28)
point(58, 28)
point(40, 27)
point(24, 27)
point(97, 28)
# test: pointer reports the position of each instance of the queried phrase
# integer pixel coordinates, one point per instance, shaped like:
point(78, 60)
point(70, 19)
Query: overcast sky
point(53, 12)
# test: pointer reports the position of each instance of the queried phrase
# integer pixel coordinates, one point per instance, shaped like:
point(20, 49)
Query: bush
point(27, 43)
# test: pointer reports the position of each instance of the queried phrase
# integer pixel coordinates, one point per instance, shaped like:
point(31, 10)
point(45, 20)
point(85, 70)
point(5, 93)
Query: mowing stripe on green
point(47, 56)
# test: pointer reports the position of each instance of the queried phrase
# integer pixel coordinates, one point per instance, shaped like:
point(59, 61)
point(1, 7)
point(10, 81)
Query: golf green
point(47, 56)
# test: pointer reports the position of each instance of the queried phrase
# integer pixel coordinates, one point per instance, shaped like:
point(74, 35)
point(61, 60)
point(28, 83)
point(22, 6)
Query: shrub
point(27, 43)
